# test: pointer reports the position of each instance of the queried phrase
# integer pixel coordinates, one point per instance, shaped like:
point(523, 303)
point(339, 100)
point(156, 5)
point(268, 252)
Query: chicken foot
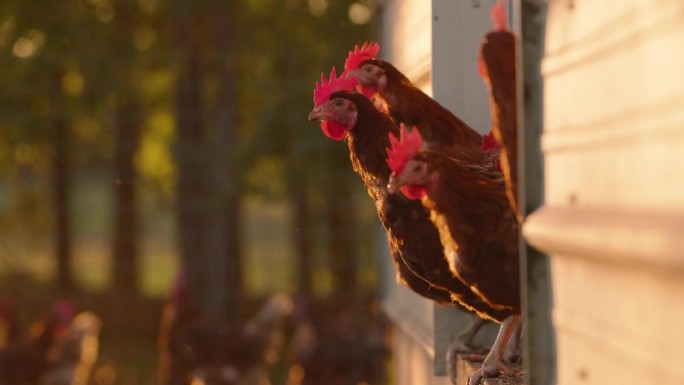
point(494, 364)
point(462, 343)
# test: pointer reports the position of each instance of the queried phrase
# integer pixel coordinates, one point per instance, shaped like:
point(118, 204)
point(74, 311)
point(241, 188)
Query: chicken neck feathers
point(409, 105)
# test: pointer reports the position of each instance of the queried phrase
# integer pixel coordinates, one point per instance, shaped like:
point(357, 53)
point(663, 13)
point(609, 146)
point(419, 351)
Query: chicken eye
point(338, 103)
point(417, 168)
point(368, 68)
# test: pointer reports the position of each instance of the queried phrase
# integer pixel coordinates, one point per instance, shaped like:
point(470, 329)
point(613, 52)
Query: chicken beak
point(394, 184)
point(316, 114)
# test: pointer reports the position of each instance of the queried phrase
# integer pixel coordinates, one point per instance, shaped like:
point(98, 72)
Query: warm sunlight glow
point(144, 38)
point(105, 375)
point(29, 45)
point(318, 7)
point(295, 375)
point(154, 159)
point(359, 13)
point(72, 83)
point(104, 12)
point(292, 5)
point(24, 48)
point(149, 6)
point(25, 154)
point(86, 129)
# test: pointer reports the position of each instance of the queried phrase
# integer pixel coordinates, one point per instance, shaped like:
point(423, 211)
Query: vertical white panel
point(458, 29)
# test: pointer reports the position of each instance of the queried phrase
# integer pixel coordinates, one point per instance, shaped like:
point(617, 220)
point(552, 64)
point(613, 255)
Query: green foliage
point(154, 160)
point(280, 74)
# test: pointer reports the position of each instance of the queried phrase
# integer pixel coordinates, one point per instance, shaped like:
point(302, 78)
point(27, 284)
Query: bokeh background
point(141, 138)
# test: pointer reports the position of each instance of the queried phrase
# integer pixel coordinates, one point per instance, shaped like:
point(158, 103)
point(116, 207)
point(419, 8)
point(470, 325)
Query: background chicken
point(74, 354)
point(409, 105)
point(24, 360)
point(477, 227)
point(59, 348)
point(337, 342)
point(194, 347)
point(413, 239)
point(497, 67)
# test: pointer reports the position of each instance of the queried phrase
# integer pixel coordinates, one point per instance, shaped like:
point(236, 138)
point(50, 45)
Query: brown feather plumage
point(409, 105)
point(498, 62)
point(414, 241)
point(477, 227)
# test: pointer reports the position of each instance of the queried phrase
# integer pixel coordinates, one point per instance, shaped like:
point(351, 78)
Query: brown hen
point(477, 227)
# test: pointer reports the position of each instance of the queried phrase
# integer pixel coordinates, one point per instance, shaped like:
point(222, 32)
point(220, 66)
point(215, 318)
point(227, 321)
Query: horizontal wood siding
point(613, 218)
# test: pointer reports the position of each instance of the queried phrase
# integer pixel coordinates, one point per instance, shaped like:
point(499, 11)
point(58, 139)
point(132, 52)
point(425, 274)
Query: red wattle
point(333, 130)
point(413, 192)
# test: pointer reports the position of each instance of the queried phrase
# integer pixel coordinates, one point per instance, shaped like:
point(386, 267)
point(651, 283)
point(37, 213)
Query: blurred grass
point(268, 247)
point(27, 262)
point(268, 257)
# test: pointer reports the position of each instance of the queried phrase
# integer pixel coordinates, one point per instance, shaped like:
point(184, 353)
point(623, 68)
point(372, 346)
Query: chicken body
point(414, 240)
point(478, 230)
point(75, 353)
point(497, 66)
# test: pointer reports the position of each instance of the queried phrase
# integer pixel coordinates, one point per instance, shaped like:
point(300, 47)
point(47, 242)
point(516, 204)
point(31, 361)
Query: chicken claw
point(493, 365)
point(462, 343)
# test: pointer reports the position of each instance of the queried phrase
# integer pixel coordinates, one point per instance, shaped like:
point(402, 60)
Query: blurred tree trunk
point(224, 215)
point(209, 191)
point(127, 125)
point(302, 233)
point(61, 178)
point(127, 121)
point(191, 161)
point(340, 218)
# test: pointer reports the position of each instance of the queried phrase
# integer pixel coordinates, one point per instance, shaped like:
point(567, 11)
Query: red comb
point(499, 15)
point(403, 148)
point(489, 143)
point(326, 87)
point(359, 55)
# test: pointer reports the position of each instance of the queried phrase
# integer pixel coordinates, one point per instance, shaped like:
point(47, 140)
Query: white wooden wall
point(613, 218)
